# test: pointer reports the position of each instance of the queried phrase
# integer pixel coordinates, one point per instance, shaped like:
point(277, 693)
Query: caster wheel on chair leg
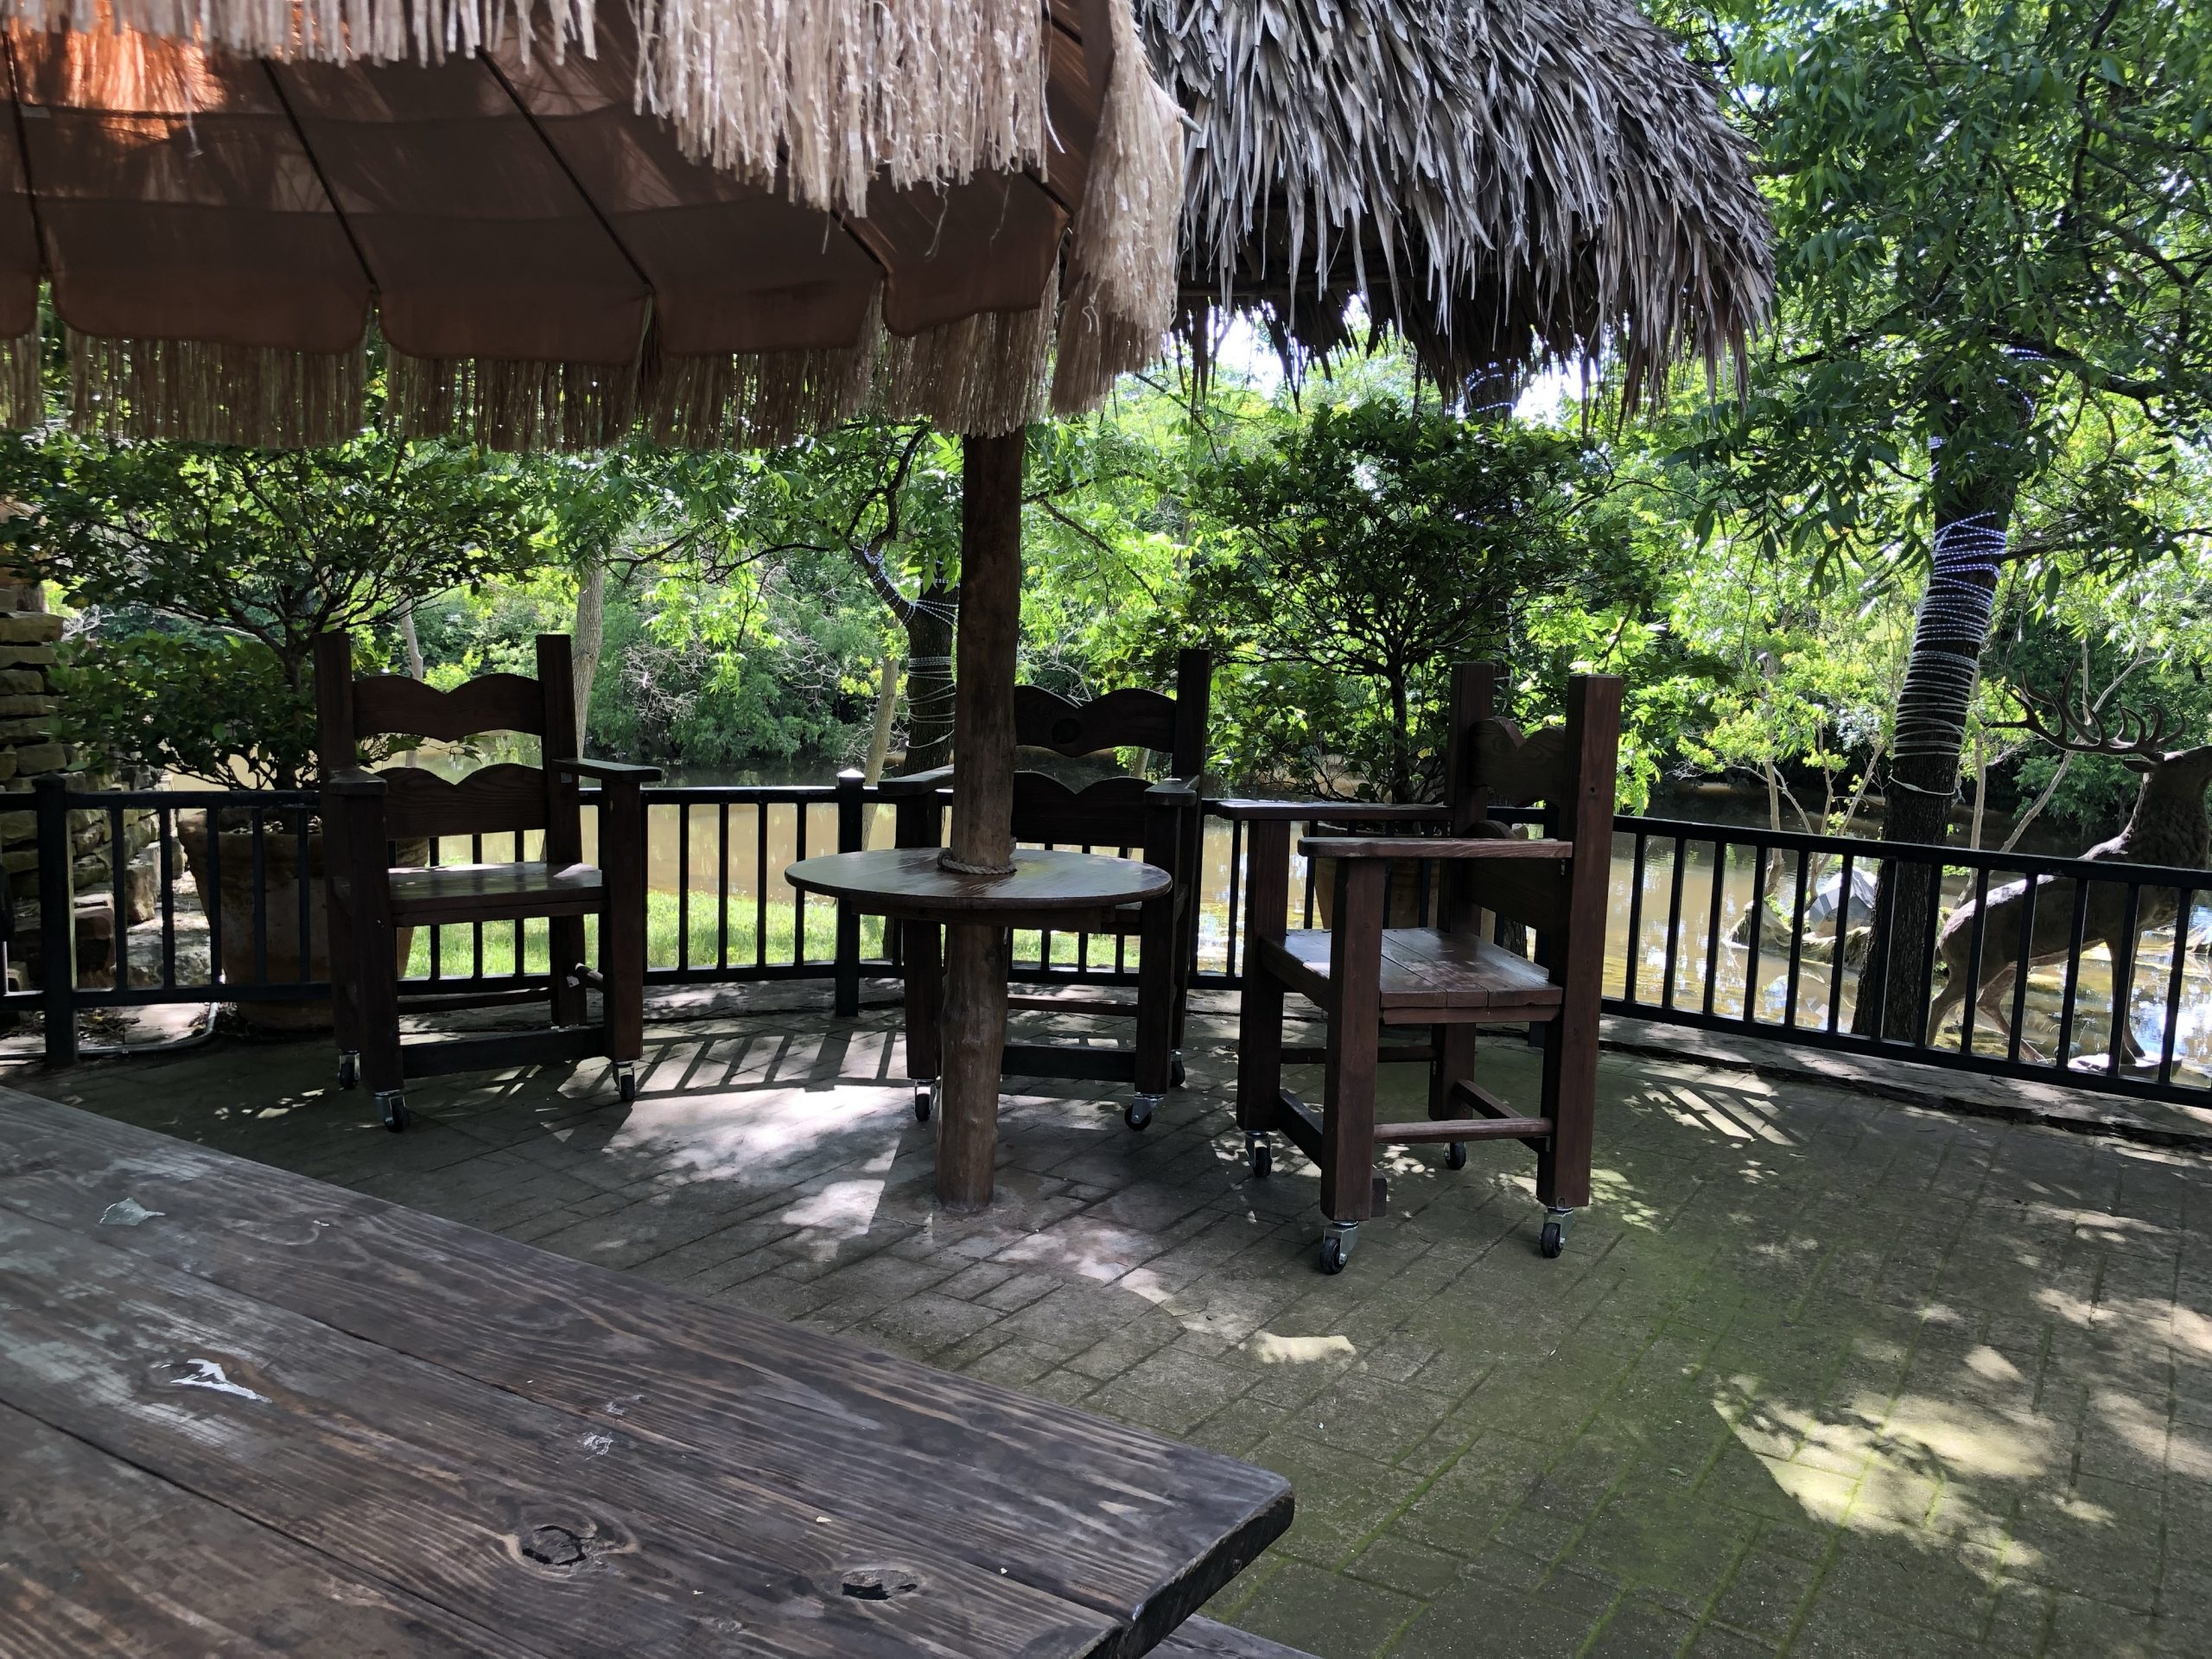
point(1262, 1154)
point(1455, 1155)
point(391, 1106)
point(349, 1069)
point(924, 1103)
point(1553, 1239)
point(1175, 1071)
point(625, 1082)
point(1138, 1111)
point(1336, 1245)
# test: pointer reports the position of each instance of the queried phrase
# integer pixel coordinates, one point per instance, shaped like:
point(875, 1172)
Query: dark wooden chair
point(364, 813)
point(1159, 822)
point(1367, 977)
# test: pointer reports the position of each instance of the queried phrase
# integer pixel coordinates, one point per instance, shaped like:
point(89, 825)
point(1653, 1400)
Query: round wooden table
point(1047, 889)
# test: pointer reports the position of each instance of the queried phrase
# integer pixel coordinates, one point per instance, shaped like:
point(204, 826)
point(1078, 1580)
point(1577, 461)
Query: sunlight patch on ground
point(1271, 1350)
point(1880, 1466)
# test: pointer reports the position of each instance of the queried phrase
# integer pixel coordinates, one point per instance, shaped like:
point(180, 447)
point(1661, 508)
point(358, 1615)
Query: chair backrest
point(491, 800)
point(1572, 770)
point(1110, 812)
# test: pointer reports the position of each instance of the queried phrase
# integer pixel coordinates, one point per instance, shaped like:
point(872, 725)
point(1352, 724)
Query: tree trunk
point(886, 706)
point(928, 625)
point(591, 632)
point(405, 614)
point(1971, 511)
point(974, 1021)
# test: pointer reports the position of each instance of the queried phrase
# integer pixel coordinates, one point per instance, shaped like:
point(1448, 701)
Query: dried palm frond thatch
point(1508, 183)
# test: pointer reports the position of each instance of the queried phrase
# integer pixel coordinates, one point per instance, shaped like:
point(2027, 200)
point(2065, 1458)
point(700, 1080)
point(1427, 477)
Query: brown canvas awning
point(548, 262)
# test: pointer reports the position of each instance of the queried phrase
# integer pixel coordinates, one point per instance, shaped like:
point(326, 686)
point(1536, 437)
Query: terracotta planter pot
point(1401, 910)
point(280, 866)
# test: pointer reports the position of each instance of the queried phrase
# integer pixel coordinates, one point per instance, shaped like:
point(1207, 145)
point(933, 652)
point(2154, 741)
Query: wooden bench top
point(1425, 970)
point(253, 1412)
point(462, 892)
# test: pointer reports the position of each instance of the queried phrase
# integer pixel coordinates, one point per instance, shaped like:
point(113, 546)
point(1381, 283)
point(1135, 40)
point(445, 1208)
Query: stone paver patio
point(1820, 1374)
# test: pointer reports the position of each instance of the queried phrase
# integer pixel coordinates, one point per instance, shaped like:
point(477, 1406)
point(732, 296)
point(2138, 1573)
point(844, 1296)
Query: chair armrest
point(1327, 811)
point(914, 783)
point(612, 772)
point(354, 781)
point(1426, 847)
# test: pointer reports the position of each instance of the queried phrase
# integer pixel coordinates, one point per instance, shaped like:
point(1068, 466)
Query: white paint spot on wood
point(206, 1374)
point(127, 1212)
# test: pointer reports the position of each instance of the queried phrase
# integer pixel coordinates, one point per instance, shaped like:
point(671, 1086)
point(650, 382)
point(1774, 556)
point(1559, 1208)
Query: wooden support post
point(973, 1023)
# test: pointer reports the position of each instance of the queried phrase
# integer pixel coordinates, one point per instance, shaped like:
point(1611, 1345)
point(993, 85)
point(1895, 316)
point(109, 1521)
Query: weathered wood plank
point(1112, 1518)
point(101, 1560)
point(507, 1513)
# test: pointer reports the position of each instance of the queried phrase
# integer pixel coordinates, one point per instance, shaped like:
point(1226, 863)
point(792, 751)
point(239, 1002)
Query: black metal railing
point(1759, 932)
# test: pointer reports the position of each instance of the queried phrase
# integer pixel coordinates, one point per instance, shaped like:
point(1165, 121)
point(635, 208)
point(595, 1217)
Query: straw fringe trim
point(824, 96)
point(331, 31)
point(982, 375)
point(511, 405)
point(208, 393)
point(1122, 287)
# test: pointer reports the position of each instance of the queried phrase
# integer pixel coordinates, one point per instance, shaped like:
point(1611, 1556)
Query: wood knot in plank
point(879, 1583)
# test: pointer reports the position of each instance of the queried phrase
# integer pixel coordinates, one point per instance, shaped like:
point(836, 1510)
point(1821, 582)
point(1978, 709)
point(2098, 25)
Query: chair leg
point(1454, 1048)
point(1570, 1101)
point(923, 948)
point(622, 949)
point(1353, 1058)
point(1155, 1022)
point(565, 954)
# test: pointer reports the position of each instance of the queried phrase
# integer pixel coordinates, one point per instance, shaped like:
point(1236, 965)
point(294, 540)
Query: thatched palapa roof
point(1507, 182)
point(728, 220)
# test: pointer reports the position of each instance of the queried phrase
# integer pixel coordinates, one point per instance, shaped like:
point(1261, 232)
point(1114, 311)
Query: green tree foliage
point(240, 559)
point(1348, 560)
point(1993, 220)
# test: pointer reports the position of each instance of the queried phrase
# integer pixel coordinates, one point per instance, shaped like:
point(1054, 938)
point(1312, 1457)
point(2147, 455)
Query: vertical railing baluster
point(1712, 923)
point(165, 828)
point(2172, 1037)
point(521, 924)
point(2123, 979)
point(118, 896)
point(2074, 934)
point(722, 886)
point(1847, 891)
point(304, 887)
point(1235, 883)
point(1634, 953)
point(2021, 967)
point(256, 826)
point(798, 899)
point(1800, 892)
point(1759, 929)
point(211, 900)
point(480, 965)
point(683, 887)
point(760, 884)
point(1978, 941)
point(1924, 975)
point(1673, 921)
